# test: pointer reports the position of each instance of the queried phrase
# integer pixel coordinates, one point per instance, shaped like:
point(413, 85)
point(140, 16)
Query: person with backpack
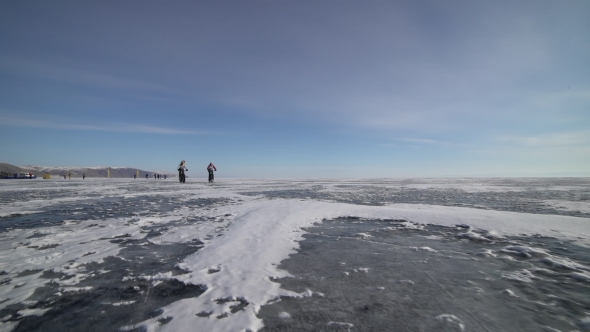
point(181, 169)
point(210, 169)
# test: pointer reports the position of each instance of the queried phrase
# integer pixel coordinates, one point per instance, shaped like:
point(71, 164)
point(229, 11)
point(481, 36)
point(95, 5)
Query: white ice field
point(286, 255)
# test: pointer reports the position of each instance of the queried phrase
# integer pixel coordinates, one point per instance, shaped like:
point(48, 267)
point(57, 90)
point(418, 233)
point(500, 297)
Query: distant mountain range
point(91, 172)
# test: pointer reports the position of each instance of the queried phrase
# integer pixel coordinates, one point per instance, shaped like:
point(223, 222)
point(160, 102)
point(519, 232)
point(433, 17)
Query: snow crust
point(265, 232)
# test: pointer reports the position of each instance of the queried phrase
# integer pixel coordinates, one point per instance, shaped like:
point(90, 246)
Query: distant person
point(181, 169)
point(210, 169)
point(164, 176)
point(64, 176)
point(146, 176)
point(154, 176)
point(83, 176)
point(69, 175)
point(134, 176)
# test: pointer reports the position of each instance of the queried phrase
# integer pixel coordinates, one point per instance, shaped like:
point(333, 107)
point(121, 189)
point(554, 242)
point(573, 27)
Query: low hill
point(4, 167)
point(91, 172)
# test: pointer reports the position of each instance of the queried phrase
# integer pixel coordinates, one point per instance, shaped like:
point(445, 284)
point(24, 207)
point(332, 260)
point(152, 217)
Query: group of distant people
point(182, 168)
point(181, 176)
point(69, 176)
point(156, 176)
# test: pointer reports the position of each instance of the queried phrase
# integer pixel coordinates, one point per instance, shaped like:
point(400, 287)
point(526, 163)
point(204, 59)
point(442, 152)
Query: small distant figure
point(64, 176)
point(181, 169)
point(134, 176)
point(210, 169)
point(154, 176)
point(83, 176)
point(69, 175)
point(164, 176)
point(146, 175)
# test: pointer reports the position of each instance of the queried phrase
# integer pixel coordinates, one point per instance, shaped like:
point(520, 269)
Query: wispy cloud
point(547, 140)
point(421, 141)
point(78, 76)
point(540, 153)
point(427, 143)
point(12, 121)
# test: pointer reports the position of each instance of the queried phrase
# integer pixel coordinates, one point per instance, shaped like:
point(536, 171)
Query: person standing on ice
point(181, 169)
point(210, 169)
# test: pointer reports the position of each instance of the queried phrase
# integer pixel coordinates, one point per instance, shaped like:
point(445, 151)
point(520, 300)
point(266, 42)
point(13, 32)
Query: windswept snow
point(225, 242)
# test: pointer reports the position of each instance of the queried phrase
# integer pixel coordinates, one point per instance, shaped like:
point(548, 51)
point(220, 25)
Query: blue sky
point(299, 88)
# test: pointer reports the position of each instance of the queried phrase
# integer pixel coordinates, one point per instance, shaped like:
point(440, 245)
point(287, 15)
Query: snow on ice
point(169, 257)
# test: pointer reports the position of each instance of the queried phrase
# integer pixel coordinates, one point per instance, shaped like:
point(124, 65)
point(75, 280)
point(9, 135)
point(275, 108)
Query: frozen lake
point(295, 255)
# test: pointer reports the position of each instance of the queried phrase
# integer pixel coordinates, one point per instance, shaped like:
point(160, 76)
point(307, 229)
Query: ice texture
point(433, 254)
point(386, 282)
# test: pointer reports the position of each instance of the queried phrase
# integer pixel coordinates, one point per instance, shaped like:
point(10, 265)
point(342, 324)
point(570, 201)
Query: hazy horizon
point(203, 175)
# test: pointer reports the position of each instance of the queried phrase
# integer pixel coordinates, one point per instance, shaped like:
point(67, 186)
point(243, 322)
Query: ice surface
point(118, 254)
point(405, 281)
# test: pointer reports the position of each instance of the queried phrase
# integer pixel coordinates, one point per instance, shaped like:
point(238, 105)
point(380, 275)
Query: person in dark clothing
point(146, 175)
point(181, 169)
point(210, 169)
point(83, 176)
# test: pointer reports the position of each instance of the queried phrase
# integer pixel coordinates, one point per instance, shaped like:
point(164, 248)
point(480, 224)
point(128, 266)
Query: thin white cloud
point(155, 130)
point(546, 153)
point(428, 142)
point(12, 121)
point(547, 140)
point(337, 68)
point(427, 86)
point(421, 140)
point(77, 76)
